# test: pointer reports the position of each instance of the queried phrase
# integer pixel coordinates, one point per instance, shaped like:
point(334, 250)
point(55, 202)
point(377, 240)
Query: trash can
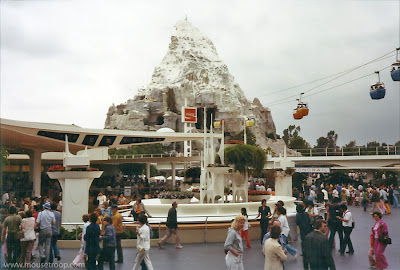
point(127, 191)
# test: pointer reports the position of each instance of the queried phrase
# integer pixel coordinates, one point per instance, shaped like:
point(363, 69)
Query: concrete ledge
point(194, 233)
point(188, 233)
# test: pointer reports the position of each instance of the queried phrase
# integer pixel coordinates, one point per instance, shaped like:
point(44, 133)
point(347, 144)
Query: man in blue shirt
point(54, 252)
point(45, 221)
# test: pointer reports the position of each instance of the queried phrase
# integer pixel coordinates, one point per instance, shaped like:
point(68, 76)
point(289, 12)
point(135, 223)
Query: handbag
point(353, 225)
point(19, 235)
point(385, 239)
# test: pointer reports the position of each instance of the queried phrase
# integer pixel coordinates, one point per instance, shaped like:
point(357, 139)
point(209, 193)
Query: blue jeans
point(54, 251)
point(364, 204)
point(396, 202)
point(312, 198)
point(288, 247)
point(107, 254)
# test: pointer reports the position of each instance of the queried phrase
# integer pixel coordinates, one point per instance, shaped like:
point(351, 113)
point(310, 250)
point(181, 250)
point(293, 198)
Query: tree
point(250, 137)
point(332, 139)
point(292, 138)
point(132, 168)
point(350, 148)
point(289, 133)
point(193, 173)
point(351, 144)
point(373, 144)
point(339, 178)
point(246, 157)
point(327, 142)
point(299, 143)
point(4, 156)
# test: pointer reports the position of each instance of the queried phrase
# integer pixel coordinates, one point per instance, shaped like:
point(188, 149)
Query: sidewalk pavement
point(211, 255)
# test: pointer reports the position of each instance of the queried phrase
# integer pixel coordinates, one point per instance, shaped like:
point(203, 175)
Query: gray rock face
point(192, 70)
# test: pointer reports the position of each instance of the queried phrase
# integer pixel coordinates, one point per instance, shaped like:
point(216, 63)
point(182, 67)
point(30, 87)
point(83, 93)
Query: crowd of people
point(30, 228)
point(27, 234)
point(322, 213)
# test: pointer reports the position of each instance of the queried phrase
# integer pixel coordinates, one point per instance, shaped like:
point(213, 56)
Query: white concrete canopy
point(35, 138)
point(19, 136)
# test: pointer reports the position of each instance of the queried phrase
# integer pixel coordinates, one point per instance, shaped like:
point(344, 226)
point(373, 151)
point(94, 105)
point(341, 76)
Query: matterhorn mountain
point(192, 70)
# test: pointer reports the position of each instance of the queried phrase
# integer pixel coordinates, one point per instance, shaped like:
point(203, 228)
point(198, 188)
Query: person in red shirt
point(35, 211)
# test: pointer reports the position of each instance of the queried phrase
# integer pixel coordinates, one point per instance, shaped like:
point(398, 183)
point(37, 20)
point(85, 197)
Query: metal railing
point(124, 223)
point(150, 156)
point(198, 219)
point(350, 151)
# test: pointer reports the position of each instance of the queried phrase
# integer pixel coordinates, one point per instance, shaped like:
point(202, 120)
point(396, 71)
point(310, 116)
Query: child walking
point(244, 233)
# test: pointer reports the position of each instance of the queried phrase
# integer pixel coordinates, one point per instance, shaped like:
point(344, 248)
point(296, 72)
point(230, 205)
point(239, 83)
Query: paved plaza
point(211, 255)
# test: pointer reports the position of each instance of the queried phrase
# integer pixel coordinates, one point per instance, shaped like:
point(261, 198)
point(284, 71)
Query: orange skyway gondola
point(297, 114)
point(301, 110)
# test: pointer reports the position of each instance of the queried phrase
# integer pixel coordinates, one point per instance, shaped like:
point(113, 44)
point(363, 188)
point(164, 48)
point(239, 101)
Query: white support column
point(75, 196)
point(244, 132)
point(35, 167)
point(283, 184)
point(222, 147)
point(173, 171)
point(148, 171)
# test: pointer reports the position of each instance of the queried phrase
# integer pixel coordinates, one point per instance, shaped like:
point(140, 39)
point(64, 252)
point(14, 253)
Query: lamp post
point(247, 122)
point(217, 124)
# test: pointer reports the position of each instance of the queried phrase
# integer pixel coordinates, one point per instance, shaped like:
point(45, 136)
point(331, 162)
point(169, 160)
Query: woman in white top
point(101, 199)
point(244, 233)
point(28, 226)
point(143, 244)
point(285, 230)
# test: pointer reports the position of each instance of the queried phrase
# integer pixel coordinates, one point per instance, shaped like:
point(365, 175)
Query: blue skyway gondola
point(377, 90)
point(395, 73)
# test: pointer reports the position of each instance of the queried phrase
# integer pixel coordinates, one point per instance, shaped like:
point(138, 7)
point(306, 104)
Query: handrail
point(132, 156)
point(349, 151)
point(152, 221)
point(76, 224)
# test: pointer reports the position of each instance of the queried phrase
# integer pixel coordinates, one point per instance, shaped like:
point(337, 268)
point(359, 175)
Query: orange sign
point(189, 114)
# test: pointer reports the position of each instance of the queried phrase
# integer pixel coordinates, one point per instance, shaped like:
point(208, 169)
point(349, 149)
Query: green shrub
point(69, 235)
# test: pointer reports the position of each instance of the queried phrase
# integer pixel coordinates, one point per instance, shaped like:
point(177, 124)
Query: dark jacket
point(172, 220)
point(303, 221)
point(317, 253)
point(109, 236)
point(334, 212)
point(92, 239)
point(375, 196)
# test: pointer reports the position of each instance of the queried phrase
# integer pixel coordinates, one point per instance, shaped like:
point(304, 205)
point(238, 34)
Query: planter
point(218, 170)
point(74, 174)
point(258, 198)
point(197, 195)
point(179, 201)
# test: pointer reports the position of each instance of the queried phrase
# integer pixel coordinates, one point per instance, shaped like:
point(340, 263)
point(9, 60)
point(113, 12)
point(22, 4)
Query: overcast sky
point(68, 61)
